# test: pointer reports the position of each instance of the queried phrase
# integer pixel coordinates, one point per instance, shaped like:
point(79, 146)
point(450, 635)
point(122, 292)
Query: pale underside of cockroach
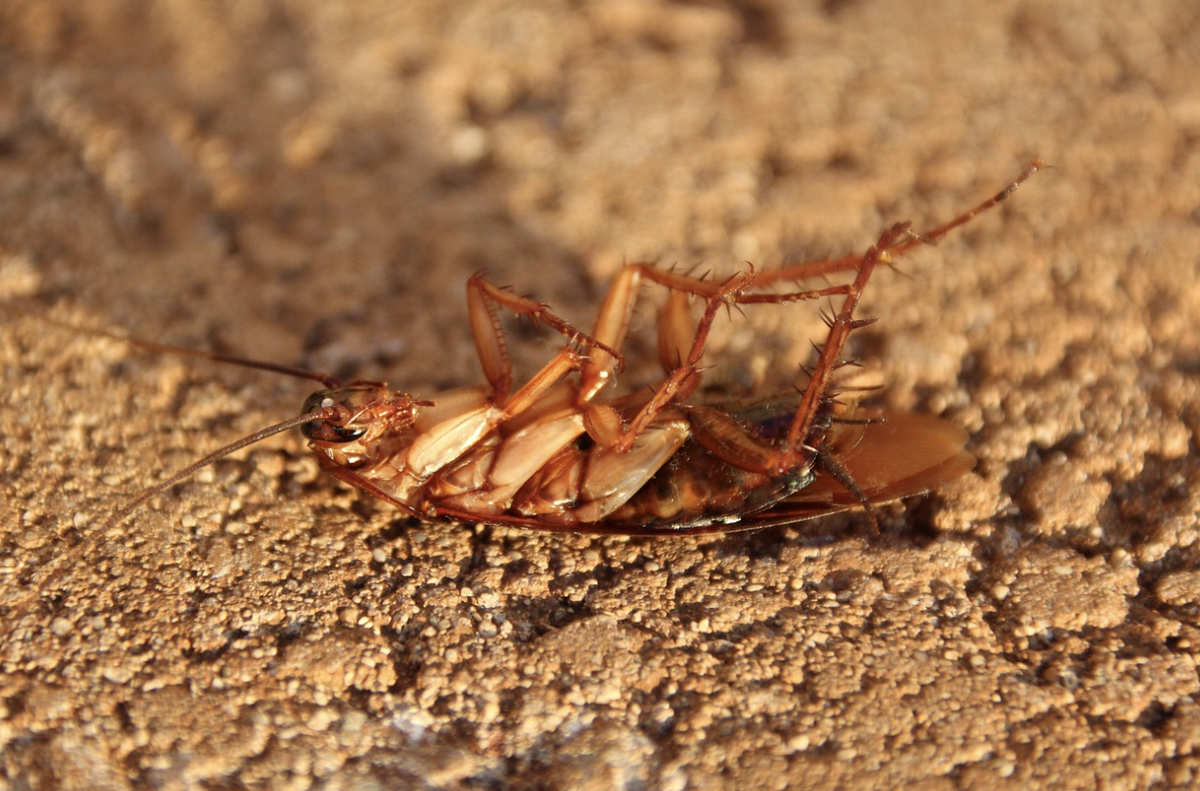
point(563, 452)
point(554, 454)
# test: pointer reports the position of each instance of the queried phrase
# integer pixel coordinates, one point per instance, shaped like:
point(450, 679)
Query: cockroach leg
point(563, 363)
point(676, 333)
point(721, 436)
point(490, 343)
point(893, 243)
point(612, 323)
point(794, 449)
point(681, 345)
point(684, 380)
point(836, 470)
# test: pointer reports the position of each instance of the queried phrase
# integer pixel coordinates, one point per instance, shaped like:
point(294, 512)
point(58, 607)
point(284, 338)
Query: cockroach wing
point(903, 455)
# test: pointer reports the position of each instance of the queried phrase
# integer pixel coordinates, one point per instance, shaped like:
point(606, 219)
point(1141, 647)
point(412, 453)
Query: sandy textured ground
point(312, 182)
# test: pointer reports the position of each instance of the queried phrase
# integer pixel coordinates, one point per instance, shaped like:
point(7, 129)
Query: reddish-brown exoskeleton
point(559, 452)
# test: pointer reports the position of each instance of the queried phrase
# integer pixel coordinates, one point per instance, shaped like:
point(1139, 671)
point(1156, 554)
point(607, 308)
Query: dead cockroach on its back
point(562, 451)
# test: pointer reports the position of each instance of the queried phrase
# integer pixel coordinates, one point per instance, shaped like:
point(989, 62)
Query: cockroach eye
point(325, 430)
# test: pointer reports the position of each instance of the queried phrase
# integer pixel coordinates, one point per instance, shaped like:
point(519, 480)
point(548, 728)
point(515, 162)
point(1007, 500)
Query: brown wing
point(906, 454)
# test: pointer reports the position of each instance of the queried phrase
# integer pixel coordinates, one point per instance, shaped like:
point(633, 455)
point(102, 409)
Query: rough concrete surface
point(311, 183)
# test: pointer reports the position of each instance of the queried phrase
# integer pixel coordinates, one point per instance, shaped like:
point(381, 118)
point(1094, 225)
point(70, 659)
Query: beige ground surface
point(312, 182)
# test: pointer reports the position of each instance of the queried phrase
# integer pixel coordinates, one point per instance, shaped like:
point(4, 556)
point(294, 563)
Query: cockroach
point(563, 452)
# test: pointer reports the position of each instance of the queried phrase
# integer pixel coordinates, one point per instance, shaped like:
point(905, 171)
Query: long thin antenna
point(329, 382)
point(64, 561)
point(199, 464)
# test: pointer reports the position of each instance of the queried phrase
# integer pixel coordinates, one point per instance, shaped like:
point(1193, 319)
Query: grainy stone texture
point(312, 182)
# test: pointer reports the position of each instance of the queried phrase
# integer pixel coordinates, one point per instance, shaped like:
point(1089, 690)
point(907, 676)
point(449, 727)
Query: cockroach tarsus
point(560, 452)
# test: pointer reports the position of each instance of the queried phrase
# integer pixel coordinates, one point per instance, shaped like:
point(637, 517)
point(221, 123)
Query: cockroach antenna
point(187, 472)
point(329, 382)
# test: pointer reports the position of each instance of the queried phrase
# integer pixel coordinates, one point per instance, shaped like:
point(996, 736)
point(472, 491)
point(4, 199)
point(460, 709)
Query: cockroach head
point(357, 412)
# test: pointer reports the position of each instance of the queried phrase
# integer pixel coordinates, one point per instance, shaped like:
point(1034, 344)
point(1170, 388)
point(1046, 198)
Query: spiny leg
point(730, 441)
point(935, 235)
point(794, 450)
point(612, 322)
point(684, 375)
point(676, 333)
point(893, 243)
point(808, 270)
point(681, 346)
point(722, 435)
point(604, 423)
point(811, 269)
point(490, 344)
point(596, 368)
